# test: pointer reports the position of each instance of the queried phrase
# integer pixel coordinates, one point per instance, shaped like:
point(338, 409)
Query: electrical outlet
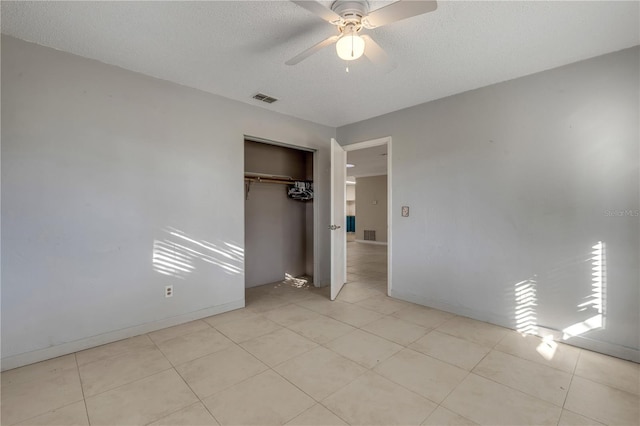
point(168, 291)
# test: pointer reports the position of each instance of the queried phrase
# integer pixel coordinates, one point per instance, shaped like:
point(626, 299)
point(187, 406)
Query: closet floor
point(294, 357)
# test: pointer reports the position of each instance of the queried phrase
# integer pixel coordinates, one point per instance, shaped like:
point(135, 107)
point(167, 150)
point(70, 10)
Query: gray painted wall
point(371, 216)
point(108, 175)
point(516, 182)
point(276, 230)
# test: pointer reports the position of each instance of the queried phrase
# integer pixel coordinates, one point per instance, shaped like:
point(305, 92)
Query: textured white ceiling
point(368, 161)
point(238, 48)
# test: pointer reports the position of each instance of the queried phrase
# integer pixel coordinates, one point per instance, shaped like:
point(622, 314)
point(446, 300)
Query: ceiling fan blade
point(376, 54)
point(398, 11)
point(319, 10)
point(304, 55)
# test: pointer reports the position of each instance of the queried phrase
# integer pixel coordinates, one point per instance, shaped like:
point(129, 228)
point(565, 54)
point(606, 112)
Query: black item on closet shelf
point(301, 191)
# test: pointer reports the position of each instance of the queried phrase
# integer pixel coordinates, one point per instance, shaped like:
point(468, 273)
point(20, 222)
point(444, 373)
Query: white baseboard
point(607, 348)
point(78, 345)
point(380, 243)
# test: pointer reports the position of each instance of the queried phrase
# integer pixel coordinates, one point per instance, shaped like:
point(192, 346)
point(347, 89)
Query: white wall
point(371, 216)
point(516, 182)
point(351, 198)
point(102, 168)
point(351, 192)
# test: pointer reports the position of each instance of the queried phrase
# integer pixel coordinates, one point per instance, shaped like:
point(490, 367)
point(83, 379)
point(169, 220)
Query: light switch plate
point(405, 211)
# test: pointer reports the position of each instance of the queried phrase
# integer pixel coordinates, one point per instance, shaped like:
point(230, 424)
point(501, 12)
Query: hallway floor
point(294, 357)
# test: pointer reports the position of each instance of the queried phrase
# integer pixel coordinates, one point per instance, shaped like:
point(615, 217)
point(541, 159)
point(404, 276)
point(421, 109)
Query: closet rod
point(263, 180)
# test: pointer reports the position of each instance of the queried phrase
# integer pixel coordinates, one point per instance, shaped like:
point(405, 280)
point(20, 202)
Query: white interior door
point(338, 218)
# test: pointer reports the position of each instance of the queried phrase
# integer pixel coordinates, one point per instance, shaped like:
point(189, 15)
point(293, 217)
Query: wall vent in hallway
point(369, 235)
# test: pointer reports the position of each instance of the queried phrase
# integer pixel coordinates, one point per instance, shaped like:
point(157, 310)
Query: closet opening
point(279, 219)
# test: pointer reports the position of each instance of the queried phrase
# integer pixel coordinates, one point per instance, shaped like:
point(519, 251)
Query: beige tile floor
point(294, 357)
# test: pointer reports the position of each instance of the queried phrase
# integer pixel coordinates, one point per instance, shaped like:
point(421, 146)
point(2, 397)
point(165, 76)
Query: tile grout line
point(389, 340)
point(438, 360)
point(255, 337)
point(517, 390)
point(199, 357)
point(371, 369)
point(269, 368)
point(84, 399)
point(176, 337)
point(344, 322)
point(333, 412)
point(111, 343)
point(318, 345)
point(48, 411)
point(575, 367)
point(508, 386)
point(132, 381)
point(302, 390)
point(573, 374)
point(536, 363)
point(194, 394)
point(456, 366)
point(272, 368)
point(229, 387)
point(449, 409)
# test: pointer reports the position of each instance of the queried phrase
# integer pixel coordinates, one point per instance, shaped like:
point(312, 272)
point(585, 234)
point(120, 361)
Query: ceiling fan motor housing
point(351, 10)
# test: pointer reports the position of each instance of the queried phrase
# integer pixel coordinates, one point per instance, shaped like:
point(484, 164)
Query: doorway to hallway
point(368, 207)
point(366, 272)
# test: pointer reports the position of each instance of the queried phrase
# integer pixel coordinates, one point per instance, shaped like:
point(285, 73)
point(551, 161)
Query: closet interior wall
point(278, 230)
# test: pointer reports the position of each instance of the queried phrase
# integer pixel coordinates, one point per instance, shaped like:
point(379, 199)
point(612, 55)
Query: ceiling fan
point(350, 17)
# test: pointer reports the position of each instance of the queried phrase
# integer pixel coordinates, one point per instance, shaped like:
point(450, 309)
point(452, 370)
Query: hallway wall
point(370, 190)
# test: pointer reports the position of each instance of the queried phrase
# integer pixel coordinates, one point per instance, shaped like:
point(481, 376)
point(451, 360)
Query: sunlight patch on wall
point(178, 255)
point(171, 259)
point(592, 311)
point(582, 327)
point(596, 301)
point(526, 302)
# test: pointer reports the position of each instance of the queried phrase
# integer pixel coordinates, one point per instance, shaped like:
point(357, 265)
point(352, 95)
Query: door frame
point(337, 207)
point(316, 204)
point(387, 140)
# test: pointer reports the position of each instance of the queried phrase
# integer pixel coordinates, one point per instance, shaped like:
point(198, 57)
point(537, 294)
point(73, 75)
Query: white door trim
point(369, 144)
point(338, 213)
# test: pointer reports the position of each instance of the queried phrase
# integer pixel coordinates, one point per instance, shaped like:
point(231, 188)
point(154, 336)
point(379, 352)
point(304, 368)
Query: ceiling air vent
point(264, 98)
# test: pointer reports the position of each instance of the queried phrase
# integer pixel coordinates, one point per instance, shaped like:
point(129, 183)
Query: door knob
point(334, 227)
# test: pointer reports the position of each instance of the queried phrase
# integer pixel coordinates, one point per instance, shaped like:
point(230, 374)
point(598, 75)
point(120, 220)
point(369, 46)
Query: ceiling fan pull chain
point(352, 54)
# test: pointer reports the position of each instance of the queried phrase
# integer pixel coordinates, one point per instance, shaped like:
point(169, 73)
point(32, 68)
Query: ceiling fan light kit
point(350, 45)
point(350, 17)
